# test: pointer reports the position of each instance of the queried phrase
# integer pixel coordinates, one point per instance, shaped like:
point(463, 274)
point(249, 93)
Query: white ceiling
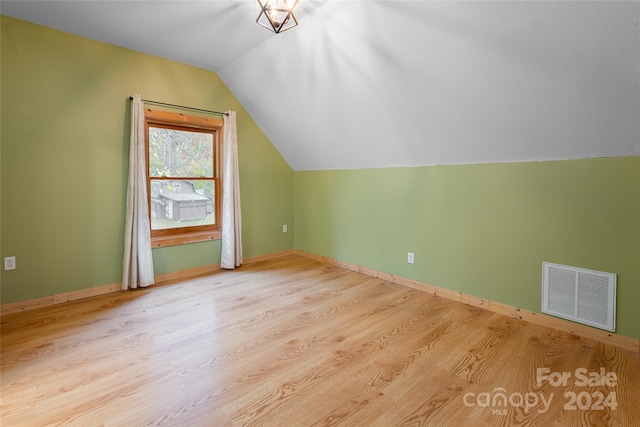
point(380, 83)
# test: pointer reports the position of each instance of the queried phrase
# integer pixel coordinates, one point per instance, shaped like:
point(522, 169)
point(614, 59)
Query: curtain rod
point(181, 106)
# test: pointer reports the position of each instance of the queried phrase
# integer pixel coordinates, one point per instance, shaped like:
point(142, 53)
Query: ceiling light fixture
point(277, 15)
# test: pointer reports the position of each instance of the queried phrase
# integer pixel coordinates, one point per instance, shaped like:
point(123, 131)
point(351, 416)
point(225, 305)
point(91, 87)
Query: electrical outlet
point(9, 263)
point(284, 228)
point(410, 257)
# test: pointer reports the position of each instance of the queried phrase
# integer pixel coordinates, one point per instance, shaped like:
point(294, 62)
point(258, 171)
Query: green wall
point(65, 128)
point(481, 229)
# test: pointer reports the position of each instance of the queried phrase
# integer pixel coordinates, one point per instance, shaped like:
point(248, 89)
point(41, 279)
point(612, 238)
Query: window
point(183, 179)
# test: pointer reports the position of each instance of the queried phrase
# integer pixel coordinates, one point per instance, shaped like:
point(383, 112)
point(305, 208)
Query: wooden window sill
point(182, 239)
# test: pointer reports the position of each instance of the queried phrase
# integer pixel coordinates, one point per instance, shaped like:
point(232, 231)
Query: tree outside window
point(183, 178)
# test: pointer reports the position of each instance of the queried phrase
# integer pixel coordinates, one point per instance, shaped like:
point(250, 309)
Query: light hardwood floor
point(294, 342)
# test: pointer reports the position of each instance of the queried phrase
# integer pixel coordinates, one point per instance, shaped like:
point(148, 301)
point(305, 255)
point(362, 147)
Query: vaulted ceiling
point(378, 83)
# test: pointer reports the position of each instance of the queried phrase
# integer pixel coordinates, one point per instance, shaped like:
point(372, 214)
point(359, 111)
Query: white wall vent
point(583, 296)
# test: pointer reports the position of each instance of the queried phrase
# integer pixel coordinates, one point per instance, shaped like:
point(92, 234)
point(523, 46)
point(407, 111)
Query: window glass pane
point(180, 153)
point(182, 203)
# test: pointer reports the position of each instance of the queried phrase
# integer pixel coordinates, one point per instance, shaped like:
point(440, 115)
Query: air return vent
point(584, 296)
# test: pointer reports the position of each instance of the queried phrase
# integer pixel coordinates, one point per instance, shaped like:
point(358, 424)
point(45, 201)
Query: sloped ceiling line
point(366, 84)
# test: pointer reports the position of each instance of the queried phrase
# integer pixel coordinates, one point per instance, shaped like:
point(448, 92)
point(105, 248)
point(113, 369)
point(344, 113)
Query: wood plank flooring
point(294, 342)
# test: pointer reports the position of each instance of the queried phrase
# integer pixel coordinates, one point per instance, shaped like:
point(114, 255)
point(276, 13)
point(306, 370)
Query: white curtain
point(137, 265)
point(231, 256)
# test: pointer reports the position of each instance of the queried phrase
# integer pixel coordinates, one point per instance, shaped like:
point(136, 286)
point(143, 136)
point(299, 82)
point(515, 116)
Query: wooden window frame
point(179, 121)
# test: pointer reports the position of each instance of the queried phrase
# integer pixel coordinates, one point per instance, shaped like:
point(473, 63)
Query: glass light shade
point(277, 15)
